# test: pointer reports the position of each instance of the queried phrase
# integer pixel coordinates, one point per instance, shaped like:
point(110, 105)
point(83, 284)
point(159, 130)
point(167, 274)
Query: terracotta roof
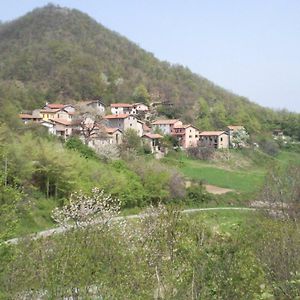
point(120, 116)
point(28, 116)
point(62, 121)
point(55, 105)
point(153, 136)
point(50, 110)
point(121, 105)
point(184, 126)
point(165, 122)
point(146, 128)
point(111, 130)
point(235, 127)
point(214, 133)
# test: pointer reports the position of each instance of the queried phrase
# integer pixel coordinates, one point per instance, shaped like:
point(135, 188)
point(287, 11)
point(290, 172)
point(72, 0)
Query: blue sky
point(250, 47)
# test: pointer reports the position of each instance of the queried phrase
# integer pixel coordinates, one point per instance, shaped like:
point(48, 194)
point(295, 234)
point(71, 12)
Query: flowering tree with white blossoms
point(84, 210)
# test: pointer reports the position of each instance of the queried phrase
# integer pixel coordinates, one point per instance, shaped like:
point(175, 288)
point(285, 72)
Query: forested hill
point(60, 54)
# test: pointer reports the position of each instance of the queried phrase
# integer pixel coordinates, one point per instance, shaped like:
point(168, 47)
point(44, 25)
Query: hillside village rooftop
point(121, 105)
point(212, 133)
point(55, 105)
point(165, 122)
point(120, 116)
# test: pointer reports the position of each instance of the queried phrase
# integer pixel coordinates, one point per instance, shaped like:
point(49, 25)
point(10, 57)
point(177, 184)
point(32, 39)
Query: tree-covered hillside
point(57, 53)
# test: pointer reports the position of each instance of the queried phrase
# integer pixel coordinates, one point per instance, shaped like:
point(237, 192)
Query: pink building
point(187, 135)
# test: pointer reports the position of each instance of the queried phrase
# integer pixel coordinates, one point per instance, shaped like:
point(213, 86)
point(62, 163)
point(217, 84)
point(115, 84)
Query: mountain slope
point(57, 53)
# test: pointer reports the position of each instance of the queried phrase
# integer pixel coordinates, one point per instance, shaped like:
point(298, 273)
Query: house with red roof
point(166, 126)
point(153, 141)
point(121, 108)
point(215, 139)
point(125, 122)
point(63, 128)
point(109, 136)
point(187, 135)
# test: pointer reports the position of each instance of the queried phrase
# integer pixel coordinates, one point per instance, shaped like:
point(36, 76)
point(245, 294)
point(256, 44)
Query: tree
point(281, 191)
point(85, 210)
point(131, 140)
point(76, 144)
point(141, 94)
point(239, 138)
point(91, 123)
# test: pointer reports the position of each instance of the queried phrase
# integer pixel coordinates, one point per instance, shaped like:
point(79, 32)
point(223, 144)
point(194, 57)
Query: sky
point(249, 47)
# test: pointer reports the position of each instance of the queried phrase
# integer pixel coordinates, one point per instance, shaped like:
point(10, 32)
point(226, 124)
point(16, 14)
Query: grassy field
point(226, 221)
point(243, 172)
point(240, 181)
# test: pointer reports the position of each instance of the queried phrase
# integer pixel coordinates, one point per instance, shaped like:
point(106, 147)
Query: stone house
point(139, 108)
point(215, 139)
point(153, 141)
point(166, 126)
point(124, 122)
point(121, 108)
point(187, 135)
point(63, 128)
point(64, 115)
point(110, 136)
point(96, 105)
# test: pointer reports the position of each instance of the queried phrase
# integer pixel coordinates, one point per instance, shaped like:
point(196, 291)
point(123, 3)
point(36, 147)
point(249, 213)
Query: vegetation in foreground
point(165, 255)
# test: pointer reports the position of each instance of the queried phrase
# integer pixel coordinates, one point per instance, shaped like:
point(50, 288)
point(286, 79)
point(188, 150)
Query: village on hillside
point(99, 126)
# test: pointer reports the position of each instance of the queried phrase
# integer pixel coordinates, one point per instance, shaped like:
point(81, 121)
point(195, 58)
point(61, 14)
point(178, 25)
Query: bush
point(203, 153)
point(270, 147)
point(76, 144)
point(196, 193)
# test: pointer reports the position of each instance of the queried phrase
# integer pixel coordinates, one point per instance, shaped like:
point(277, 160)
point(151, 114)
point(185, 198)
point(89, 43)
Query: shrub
point(270, 147)
point(196, 193)
point(76, 144)
point(203, 153)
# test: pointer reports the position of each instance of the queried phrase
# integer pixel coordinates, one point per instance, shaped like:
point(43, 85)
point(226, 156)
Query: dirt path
point(217, 190)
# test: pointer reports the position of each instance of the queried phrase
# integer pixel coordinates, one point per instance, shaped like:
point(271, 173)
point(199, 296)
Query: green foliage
point(131, 141)
point(196, 194)
point(76, 144)
point(164, 254)
point(141, 95)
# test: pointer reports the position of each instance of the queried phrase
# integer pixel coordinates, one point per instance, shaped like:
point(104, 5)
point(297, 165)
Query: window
point(221, 139)
point(190, 136)
point(196, 135)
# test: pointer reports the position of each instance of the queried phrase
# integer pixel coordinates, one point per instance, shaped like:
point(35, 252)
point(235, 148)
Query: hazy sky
point(251, 47)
